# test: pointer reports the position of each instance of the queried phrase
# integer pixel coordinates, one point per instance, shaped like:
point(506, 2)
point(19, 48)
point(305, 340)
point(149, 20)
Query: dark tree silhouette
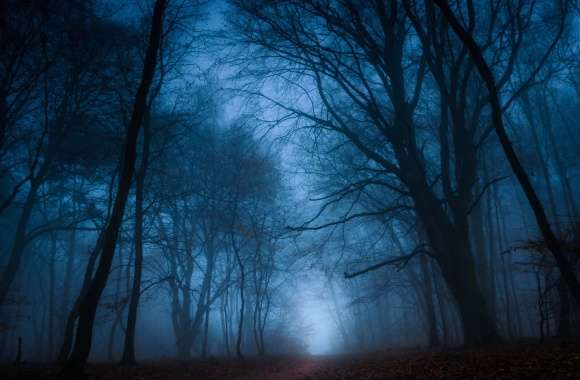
point(486, 73)
point(89, 303)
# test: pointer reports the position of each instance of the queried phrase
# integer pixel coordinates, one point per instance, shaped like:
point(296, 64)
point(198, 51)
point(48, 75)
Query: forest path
point(549, 361)
point(305, 368)
point(530, 361)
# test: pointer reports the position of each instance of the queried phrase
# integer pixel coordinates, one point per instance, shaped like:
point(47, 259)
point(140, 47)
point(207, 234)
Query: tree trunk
point(563, 311)
point(68, 273)
point(453, 249)
point(423, 285)
point(559, 165)
point(206, 327)
point(68, 334)
point(19, 243)
point(88, 305)
point(430, 307)
point(129, 345)
point(478, 325)
point(480, 250)
point(225, 323)
point(493, 249)
point(117, 309)
point(51, 300)
point(442, 305)
point(239, 353)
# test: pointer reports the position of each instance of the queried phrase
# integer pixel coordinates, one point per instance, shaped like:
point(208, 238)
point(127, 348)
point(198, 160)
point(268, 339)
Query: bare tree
point(89, 303)
point(486, 73)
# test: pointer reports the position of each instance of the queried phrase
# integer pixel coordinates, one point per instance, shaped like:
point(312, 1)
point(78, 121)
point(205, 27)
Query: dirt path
point(531, 361)
point(306, 368)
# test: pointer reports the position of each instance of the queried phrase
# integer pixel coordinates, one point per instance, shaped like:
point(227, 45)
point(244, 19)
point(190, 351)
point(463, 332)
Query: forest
point(289, 189)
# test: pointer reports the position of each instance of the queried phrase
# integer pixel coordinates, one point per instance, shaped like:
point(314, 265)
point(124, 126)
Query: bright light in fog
point(321, 329)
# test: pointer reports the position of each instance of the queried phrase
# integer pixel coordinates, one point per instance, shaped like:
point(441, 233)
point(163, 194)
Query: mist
point(289, 189)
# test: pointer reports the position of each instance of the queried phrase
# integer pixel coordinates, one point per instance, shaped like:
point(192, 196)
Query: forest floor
point(529, 361)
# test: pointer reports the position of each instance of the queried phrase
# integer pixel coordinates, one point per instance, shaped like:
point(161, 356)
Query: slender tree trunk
point(493, 251)
point(263, 323)
point(225, 323)
point(19, 243)
point(428, 291)
point(542, 161)
point(51, 300)
point(203, 302)
point(501, 244)
point(129, 345)
point(564, 299)
point(480, 250)
point(559, 165)
point(206, 327)
point(424, 287)
point(564, 310)
point(116, 309)
point(88, 305)
point(68, 273)
point(239, 353)
point(183, 323)
point(339, 315)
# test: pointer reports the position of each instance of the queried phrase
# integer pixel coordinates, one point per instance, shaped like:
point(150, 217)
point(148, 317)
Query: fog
point(184, 179)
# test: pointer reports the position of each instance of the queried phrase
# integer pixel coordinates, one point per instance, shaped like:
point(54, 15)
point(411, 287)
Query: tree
point(89, 303)
point(486, 73)
point(352, 60)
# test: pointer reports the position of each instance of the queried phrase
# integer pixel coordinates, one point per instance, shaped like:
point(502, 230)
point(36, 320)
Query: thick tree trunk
point(89, 303)
point(442, 306)
point(478, 325)
point(68, 334)
point(563, 310)
point(184, 343)
point(452, 247)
